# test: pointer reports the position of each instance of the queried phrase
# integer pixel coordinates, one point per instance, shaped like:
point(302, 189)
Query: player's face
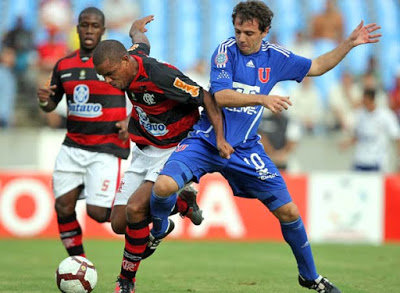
point(90, 29)
point(116, 74)
point(248, 36)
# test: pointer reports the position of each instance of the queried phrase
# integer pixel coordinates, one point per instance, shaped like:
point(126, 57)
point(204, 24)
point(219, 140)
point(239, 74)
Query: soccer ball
point(76, 274)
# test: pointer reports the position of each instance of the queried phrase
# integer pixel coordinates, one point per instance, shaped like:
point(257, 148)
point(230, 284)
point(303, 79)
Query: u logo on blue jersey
point(261, 77)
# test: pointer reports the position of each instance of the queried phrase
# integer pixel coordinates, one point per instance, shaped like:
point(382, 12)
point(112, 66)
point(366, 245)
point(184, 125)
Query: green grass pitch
point(205, 267)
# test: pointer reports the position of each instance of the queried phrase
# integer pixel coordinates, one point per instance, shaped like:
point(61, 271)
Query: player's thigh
point(138, 207)
point(101, 180)
point(65, 203)
point(191, 160)
point(141, 197)
point(68, 173)
point(145, 166)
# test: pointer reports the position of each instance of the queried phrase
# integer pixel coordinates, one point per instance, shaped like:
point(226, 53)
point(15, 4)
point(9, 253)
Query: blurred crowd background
point(35, 34)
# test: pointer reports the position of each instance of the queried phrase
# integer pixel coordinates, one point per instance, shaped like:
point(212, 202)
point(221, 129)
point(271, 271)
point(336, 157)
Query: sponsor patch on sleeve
point(187, 88)
point(221, 59)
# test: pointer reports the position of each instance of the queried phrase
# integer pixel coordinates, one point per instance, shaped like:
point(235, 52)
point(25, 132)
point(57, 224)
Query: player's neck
point(85, 52)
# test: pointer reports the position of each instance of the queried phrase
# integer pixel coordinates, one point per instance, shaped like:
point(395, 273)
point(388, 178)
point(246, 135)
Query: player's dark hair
point(92, 10)
point(249, 10)
point(109, 49)
point(370, 93)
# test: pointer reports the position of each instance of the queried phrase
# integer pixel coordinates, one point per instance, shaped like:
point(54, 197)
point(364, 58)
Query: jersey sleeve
point(55, 79)
point(140, 48)
point(291, 66)
point(175, 84)
point(221, 69)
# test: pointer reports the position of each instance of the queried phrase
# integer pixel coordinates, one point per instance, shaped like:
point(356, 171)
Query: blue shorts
point(249, 171)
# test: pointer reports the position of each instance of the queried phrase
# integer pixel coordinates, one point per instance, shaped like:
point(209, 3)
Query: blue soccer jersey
point(250, 74)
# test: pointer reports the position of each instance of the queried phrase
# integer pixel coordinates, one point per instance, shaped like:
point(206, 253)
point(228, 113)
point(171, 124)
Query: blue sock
point(296, 236)
point(160, 209)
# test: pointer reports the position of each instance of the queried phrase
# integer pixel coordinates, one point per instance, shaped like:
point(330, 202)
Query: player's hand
point(224, 148)
point(123, 133)
point(140, 25)
point(44, 93)
point(362, 34)
point(276, 104)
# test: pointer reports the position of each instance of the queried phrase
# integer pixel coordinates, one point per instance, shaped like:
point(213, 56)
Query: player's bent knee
point(137, 210)
point(165, 186)
point(287, 213)
point(64, 210)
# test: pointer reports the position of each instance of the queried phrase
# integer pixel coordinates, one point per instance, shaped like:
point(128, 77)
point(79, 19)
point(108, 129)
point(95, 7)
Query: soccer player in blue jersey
point(243, 71)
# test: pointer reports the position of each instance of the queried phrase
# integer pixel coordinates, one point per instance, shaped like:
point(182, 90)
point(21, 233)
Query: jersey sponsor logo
point(245, 88)
point(221, 59)
point(149, 99)
point(264, 78)
point(81, 93)
point(81, 107)
point(187, 88)
point(65, 75)
point(250, 64)
point(155, 129)
point(250, 110)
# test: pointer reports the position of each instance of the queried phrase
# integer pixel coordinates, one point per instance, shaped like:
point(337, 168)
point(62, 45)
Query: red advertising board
point(26, 210)
point(392, 208)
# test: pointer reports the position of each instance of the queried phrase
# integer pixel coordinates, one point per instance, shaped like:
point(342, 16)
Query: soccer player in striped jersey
point(165, 108)
point(244, 69)
point(88, 164)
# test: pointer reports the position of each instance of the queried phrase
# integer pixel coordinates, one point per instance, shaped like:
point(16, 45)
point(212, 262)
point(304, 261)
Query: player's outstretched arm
point(232, 98)
point(362, 34)
point(138, 29)
point(43, 94)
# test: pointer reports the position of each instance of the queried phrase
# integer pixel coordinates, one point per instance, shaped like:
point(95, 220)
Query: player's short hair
point(92, 10)
point(370, 93)
point(254, 9)
point(112, 50)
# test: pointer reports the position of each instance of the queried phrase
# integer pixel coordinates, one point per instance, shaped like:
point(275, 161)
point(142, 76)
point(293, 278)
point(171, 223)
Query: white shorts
point(145, 166)
point(99, 173)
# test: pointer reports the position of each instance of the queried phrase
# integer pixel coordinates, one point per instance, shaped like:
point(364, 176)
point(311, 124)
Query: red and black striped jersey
point(165, 102)
point(93, 106)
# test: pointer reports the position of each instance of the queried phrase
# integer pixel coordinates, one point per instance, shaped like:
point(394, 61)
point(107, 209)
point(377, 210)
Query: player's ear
point(125, 60)
point(265, 33)
point(104, 30)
